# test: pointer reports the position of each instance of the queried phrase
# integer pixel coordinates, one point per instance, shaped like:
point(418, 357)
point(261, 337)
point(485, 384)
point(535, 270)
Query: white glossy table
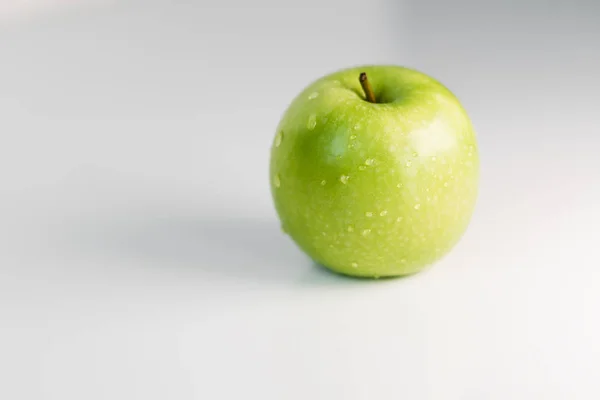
point(140, 256)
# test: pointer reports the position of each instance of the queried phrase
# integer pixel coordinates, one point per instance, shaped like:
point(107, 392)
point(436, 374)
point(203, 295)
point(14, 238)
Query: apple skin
point(375, 189)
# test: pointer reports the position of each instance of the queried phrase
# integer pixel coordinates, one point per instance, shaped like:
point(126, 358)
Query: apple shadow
point(236, 249)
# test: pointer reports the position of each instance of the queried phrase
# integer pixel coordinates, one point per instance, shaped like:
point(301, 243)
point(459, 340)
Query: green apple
point(375, 187)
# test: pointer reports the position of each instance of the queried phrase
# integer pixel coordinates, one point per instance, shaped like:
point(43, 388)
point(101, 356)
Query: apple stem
point(366, 85)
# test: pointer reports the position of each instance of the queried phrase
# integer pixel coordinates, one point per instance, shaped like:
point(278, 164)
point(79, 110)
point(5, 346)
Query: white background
point(140, 255)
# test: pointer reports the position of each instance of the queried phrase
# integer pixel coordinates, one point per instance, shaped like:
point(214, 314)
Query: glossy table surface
point(140, 255)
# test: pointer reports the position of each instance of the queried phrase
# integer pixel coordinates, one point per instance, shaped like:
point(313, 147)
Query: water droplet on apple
point(312, 122)
point(417, 206)
point(383, 213)
point(356, 126)
point(350, 228)
point(408, 163)
point(344, 179)
point(369, 161)
point(415, 154)
point(313, 95)
point(366, 232)
point(354, 265)
point(362, 168)
point(278, 138)
point(277, 181)
point(399, 185)
point(323, 182)
point(399, 219)
point(368, 214)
